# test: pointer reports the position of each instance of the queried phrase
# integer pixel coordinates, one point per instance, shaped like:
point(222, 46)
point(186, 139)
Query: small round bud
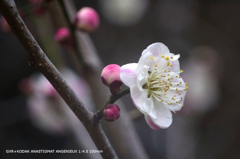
point(4, 26)
point(87, 19)
point(111, 77)
point(63, 36)
point(111, 112)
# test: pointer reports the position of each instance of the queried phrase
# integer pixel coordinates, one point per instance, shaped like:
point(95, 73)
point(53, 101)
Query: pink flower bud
point(111, 112)
point(4, 26)
point(111, 77)
point(63, 36)
point(87, 19)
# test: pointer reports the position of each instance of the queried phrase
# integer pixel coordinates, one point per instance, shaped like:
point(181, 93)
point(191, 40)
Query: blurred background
point(206, 33)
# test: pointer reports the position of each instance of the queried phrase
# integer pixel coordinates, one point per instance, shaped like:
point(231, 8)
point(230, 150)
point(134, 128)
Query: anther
point(166, 58)
point(162, 56)
point(152, 57)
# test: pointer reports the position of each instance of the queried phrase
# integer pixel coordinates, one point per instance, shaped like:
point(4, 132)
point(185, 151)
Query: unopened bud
point(111, 112)
point(111, 77)
point(63, 36)
point(87, 19)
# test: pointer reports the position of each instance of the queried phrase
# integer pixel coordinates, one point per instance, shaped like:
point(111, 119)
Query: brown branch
point(121, 133)
point(41, 62)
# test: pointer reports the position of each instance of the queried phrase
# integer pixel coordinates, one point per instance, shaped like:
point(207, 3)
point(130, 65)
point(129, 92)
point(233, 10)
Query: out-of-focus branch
point(126, 143)
point(40, 61)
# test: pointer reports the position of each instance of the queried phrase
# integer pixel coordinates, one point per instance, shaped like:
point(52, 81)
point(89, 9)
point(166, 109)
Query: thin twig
point(112, 99)
point(40, 61)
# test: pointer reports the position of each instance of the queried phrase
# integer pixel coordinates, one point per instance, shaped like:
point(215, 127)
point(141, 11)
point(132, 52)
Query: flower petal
point(149, 108)
point(128, 74)
point(150, 122)
point(139, 97)
point(142, 77)
point(157, 49)
point(164, 116)
point(175, 64)
point(145, 60)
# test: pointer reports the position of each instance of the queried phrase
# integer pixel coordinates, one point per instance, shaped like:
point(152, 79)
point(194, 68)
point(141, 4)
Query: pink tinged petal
point(150, 122)
point(149, 108)
point(128, 74)
point(175, 66)
point(139, 97)
point(157, 49)
point(164, 116)
point(142, 77)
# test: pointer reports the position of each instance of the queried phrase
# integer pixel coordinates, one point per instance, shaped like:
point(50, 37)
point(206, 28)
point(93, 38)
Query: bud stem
point(113, 98)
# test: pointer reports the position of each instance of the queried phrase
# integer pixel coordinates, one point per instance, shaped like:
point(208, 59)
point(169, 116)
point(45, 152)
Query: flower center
point(161, 80)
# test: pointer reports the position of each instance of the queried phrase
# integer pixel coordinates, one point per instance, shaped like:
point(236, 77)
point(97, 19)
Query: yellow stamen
point(181, 71)
point(155, 64)
point(152, 57)
point(162, 56)
point(166, 58)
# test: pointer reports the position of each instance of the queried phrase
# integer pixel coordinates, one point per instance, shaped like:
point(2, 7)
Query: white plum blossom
point(156, 86)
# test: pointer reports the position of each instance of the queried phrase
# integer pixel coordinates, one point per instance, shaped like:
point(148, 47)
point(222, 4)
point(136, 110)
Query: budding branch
point(39, 60)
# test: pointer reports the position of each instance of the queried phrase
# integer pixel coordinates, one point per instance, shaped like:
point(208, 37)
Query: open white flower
point(156, 86)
